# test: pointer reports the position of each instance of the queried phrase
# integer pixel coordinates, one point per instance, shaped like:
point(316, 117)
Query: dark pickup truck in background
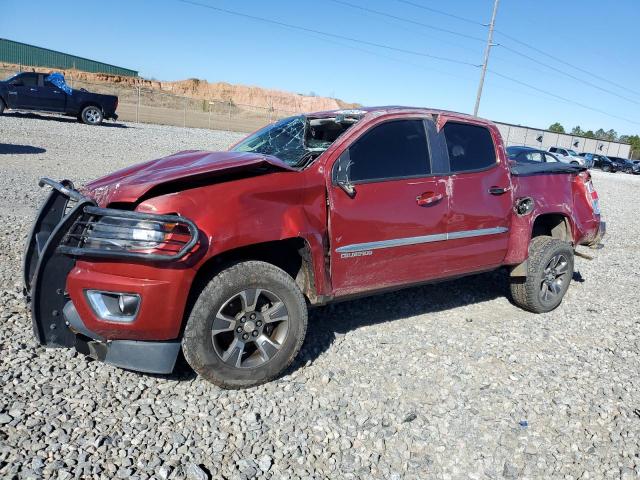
point(48, 93)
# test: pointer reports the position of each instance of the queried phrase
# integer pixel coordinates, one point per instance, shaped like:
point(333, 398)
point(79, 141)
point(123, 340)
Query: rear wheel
point(629, 170)
point(2, 106)
point(246, 327)
point(606, 168)
point(91, 115)
point(549, 273)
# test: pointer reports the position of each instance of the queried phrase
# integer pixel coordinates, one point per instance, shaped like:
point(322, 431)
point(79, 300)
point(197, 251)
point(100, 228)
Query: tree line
point(601, 134)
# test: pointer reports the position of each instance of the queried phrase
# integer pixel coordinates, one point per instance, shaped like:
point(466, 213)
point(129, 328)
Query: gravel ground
point(444, 381)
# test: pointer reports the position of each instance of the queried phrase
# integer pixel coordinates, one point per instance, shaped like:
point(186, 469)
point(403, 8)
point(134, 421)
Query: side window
point(470, 147)
point(393, 149)
point(553, 149)
point(29, 80)
point(534, 157)
point(549, 158)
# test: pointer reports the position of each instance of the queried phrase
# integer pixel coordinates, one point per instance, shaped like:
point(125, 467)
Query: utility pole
point(486, 56)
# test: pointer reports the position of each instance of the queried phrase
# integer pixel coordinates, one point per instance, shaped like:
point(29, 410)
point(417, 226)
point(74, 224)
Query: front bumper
point(50, 255)
point(150, 357)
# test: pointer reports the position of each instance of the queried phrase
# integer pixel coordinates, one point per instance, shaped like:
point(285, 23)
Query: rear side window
point(470, 147)
point(393, 149)
point(534, 157)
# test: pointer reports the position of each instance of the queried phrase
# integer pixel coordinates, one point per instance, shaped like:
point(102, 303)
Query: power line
point(407, 20)
point(441, 12)
point(327, 34)
point(397, 49)
point(564, 62)
point(564, 99)
point(578, 79)
point(506, 47)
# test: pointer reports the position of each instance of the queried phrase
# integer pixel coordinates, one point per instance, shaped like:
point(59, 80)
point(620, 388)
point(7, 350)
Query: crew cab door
point(388, 211)
point(480, 198)
point(49, 96)
point(21, 90)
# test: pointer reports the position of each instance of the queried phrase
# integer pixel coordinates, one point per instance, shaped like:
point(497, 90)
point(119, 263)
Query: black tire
point(2, 106)
point(574, 163)
point(527, 292)
point(629, 170)
point(91, 115)
point(606, 168)
point(204, 350)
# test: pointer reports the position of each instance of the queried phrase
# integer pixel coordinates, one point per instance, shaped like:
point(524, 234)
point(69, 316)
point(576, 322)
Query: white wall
point(519, 135)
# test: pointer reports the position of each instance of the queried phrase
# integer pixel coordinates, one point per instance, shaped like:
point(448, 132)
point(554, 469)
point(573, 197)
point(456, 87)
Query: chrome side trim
point(476, 233)
point(402, 242)
point(397, 242)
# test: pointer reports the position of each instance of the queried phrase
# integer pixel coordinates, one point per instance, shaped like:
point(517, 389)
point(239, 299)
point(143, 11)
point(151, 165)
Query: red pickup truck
point(219, 254)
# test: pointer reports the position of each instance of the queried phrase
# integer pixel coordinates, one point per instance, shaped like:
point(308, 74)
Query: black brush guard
point(55, 241)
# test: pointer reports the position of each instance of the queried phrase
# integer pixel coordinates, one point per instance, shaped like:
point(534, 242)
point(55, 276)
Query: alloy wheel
point(554, 278)
point(92, 115)
point(250, 328)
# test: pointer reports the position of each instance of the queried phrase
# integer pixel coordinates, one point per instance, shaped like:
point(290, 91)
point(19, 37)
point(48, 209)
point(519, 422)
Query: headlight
point(111, 233)
point(127, 234)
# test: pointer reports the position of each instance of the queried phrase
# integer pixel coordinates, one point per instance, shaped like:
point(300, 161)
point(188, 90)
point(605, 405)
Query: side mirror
point(341, 174)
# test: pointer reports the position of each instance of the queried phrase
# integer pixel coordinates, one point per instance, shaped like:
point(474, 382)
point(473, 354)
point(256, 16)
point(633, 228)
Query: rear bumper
point(596, 241)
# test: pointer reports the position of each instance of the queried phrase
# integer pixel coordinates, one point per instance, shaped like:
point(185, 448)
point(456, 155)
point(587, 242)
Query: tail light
point(592, 195)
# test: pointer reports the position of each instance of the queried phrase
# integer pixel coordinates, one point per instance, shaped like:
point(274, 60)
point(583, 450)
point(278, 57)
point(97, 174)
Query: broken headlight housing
point(111, 233)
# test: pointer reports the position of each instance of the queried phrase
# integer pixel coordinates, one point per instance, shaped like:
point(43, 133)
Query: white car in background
point(567, 155)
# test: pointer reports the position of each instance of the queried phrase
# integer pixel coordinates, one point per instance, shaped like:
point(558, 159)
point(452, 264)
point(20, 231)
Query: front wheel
point(91, 115)
point(2, 106)
point(246, 327)
point(549, 273)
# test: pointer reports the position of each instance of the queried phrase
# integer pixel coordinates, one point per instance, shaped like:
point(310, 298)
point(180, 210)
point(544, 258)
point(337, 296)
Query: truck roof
point(380, 110)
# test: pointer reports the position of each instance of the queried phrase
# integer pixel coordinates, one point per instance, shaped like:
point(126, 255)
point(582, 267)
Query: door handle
point(428, 198)
point(33, 89)
point(499, 190)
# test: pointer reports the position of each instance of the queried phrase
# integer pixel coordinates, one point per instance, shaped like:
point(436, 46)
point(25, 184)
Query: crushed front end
point(71, 229)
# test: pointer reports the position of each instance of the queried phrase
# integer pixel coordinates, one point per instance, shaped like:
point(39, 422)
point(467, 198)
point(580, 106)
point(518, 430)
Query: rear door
point(480, 198)
point(391, 230)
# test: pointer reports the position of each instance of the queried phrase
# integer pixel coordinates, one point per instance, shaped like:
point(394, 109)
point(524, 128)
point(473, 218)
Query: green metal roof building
point(24, 54)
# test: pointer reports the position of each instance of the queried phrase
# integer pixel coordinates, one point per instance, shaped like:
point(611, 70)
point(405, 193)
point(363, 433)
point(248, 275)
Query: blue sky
point(171, 40)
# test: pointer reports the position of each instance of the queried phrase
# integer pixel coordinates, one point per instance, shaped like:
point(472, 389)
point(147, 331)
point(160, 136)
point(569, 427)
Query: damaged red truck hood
point(131, 183)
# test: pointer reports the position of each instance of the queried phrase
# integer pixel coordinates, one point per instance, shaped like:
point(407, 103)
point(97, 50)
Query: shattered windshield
point(297, 140)
point(283, 139)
